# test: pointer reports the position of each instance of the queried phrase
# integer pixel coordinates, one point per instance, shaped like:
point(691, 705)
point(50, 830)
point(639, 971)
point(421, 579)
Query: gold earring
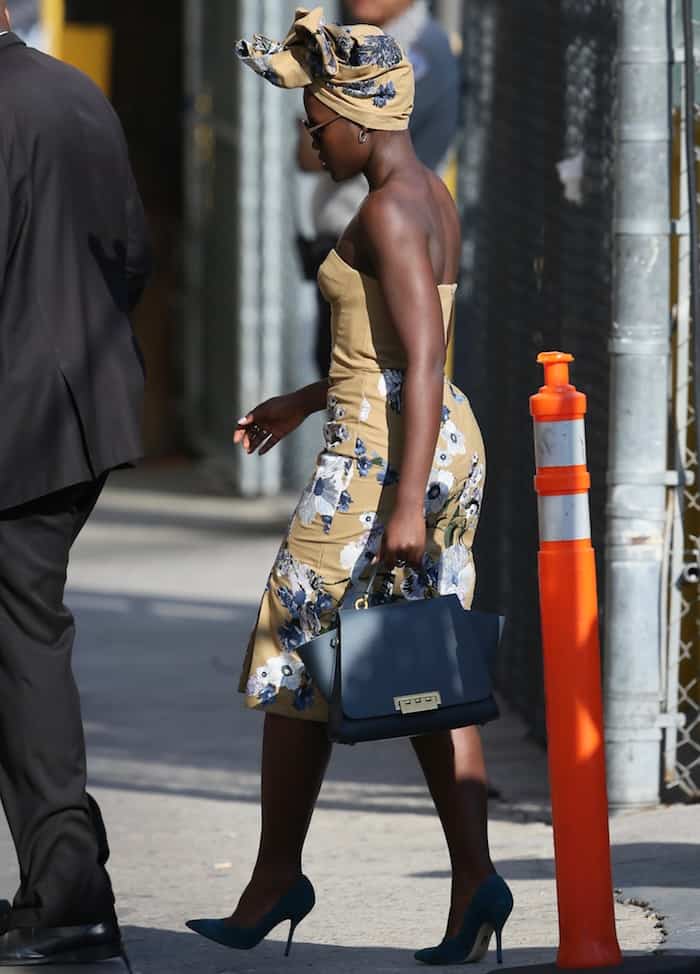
point(362, 137)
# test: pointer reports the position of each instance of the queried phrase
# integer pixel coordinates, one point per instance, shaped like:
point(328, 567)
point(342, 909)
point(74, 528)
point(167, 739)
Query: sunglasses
point(312, 129)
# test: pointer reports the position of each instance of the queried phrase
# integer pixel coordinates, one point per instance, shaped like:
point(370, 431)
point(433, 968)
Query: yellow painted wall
point(52, 17)
point(89, 47)
point(85, 46)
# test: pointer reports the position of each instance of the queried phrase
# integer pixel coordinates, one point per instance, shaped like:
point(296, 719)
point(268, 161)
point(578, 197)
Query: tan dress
point(337, 526)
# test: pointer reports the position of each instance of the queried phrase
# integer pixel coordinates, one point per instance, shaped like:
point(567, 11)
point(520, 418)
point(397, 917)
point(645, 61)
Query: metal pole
point(249, 191)
point(197, 155)
point(639, 354)
point(275, 164)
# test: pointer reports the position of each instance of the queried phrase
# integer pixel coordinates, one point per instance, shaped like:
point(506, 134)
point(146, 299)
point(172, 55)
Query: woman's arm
point(313, 397)
point(401, 260)
point(267, 424)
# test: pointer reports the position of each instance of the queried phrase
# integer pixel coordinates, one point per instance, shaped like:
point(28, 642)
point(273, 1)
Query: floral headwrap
point(360, 72)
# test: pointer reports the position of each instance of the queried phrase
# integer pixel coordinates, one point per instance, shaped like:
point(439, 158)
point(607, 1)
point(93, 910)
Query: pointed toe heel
point(487, 913)
point(295, 905)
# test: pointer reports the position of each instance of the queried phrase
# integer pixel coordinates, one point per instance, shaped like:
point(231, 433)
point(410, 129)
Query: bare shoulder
point(444, 199)
point(386, 217)
point(411, 218)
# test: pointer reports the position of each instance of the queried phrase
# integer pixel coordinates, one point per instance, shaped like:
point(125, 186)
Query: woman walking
point(400, 479)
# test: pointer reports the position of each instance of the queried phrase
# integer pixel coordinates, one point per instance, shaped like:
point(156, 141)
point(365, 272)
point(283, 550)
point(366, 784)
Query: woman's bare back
point(424, 197)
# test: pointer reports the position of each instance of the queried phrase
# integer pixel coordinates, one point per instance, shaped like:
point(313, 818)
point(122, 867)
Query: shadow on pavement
point(634, 864)
point(146, 946)
point(158, 679)
point(233, 525)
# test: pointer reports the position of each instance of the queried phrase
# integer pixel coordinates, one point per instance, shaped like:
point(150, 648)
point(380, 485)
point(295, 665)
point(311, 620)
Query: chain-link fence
point(537, 195)
point(536, 187)
point(682, 650)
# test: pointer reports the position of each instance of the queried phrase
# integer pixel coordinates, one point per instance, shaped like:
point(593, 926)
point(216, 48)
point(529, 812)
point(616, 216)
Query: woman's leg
point(453, 765)
point(295, 756)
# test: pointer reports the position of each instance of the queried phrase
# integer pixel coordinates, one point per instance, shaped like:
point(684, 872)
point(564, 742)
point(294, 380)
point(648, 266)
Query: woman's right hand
point(270, 422)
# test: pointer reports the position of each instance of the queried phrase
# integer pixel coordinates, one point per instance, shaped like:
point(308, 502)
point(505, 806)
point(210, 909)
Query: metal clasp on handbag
point(416, 703)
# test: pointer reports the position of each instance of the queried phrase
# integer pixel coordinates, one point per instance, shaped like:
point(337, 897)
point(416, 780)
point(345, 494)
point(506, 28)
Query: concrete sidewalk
point(165, 591)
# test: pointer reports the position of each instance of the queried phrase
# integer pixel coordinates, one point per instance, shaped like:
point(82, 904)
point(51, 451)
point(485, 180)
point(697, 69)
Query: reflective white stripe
point(561, 444)
point(564, 517)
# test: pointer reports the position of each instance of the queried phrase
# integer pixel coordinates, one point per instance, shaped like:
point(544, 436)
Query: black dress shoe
point(32, 946)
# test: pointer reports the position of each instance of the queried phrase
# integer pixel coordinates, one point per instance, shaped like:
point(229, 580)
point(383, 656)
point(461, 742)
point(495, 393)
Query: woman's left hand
point(404, 539)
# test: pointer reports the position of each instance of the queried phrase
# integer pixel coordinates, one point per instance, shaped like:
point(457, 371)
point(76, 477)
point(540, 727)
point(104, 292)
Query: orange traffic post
point(573, 696)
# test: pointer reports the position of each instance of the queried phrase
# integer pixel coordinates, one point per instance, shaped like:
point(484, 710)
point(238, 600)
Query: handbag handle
point(362, 601)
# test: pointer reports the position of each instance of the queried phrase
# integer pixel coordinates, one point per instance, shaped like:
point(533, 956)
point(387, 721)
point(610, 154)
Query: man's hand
point(270, 422)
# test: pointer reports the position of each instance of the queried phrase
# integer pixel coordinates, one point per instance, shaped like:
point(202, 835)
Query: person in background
point(433, 128)
point(74, 260)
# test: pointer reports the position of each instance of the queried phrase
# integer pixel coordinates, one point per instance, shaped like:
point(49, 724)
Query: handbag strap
point(362, 601)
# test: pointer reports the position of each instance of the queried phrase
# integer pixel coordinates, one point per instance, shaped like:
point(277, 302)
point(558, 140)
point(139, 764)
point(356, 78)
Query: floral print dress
point(337, 527)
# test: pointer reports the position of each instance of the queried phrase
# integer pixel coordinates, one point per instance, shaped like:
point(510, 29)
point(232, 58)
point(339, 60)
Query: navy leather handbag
point(404, 668)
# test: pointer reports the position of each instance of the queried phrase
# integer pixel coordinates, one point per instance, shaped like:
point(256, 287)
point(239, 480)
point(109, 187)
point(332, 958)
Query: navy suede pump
point(296, 904)
point(486, 914)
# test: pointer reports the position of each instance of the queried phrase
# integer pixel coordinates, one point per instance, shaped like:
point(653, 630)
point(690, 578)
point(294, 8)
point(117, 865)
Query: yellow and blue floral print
point(337, 527)
point(358, 71)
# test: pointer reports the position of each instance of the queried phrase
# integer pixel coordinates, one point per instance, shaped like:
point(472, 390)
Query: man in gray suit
point(73, 263)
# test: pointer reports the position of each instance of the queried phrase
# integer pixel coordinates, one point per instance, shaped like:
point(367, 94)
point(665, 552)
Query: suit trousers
point(56, 826)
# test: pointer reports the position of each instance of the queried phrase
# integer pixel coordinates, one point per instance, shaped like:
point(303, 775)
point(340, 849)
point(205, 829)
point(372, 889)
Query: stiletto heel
point(296, 904)
point(292, 928)
point(487, 913)
point(127, 963)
